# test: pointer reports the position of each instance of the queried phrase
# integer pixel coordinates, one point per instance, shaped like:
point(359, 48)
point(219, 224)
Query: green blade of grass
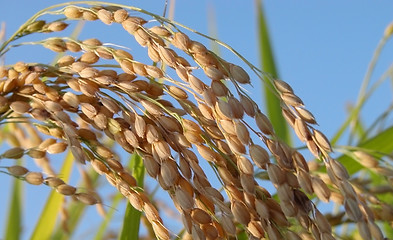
point(14, 223)
point(380, 143)
point(47, 221)
point(132, 217)
point(268, 65)
point(108, 217)
point(76, 211)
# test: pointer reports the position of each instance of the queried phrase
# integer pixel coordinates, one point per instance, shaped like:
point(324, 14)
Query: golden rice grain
point(64, 61)
point(169, 172)
point(35, 26)
point(240, 212)
point(20, 67)
point(364, 230)
point(101, 121)
point(282, 86)
point(160, 230)
point(170, 124)
point(66, 189)
point(153, 71)
point(161, 148)
point(57, 148)
point(105, 16)
point(55, 44)
point(242, 132)
point(9, 85)
point(305, 115)
point(36, 153)
point(245, 165)
point(238, 74)
point(17, 170)
point(255, 228)
point(153, 53)
point(264, 123)
point(13, 153)
point(375, 231)
point(223, 109)
point(200, 216)
point(273, 232)
point(322, 140)
point(161, 31)
point(313, 148)
point(86, 198)
point(20, 107)
point(338, 169)
point(53, 181)
point(72, 12)
point(197, 47)
point(152, 134)
point(305, 181)
point(90, 58)
point(228, 225)
point(210, 97)
point(139, 68)
point(151, 107)
point(167, 56)
point(290, 235)
point(196, 84)
point(88, 72)
point(366, 159)
point(178, 92)
point(213, 73)
point(275, 173)
point(206, 59)
point(219, 88)
point(320, 189)
point(34, 178)
point(237, 108)
point(104, 52)
point(301, 130)
point(120, 15)
point(262, 209)
point(89, 16)
point(291, 99)
point(248, 105)
point(181, 41)
point(235, 145)
point(259, 156)
point(207, 153)
point(131, 24)
point(184, 199)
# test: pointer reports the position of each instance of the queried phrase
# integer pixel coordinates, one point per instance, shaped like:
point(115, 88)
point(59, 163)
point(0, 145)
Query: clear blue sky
point(322, 48)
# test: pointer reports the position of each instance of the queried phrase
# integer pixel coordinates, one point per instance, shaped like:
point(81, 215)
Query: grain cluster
point(186, 107)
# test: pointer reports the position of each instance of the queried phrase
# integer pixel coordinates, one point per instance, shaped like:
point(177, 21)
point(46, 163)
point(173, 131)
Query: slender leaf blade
point(76, 211)
point(268, 65)
point(47, 221)
point(14, 223)
point(109, 216)
point(380, 143)
point(132, 217)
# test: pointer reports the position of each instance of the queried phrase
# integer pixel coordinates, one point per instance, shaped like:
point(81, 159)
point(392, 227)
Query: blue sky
point(322, 48)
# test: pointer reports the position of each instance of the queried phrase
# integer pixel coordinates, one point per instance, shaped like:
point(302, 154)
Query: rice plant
point(185, 117)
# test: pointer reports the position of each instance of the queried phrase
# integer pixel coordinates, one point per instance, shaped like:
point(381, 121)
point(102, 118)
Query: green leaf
point(380, 143)
point(108, 217)
point(268, 65)
point(132, 217)
point(14, 223)
point(76, 211)
point(47, 221)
